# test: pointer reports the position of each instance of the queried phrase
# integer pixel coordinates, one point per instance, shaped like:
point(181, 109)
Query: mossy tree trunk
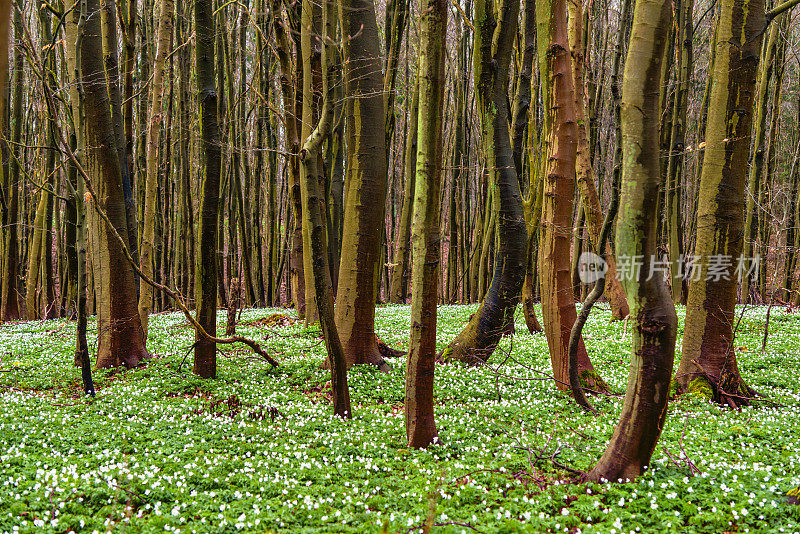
point(314, 216)
point(708, 352)
point(645, 407)
point(153, 126)
point(419, 413)
point(496, 28)
point(591, 208)
point(205, 351)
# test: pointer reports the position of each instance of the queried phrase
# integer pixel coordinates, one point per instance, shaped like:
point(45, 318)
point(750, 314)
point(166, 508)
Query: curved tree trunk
point(645, 407)
point(708, 356)
point(494, 39)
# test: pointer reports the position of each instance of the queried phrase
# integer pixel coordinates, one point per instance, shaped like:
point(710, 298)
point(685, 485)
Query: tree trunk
point(153, 142)
point(419, 413)
point(708, 357)
point(365, 187)
point(111, 60)
point(9, 299)
point(675, 182)
point(494, 40)
point(558, 305)
point(645, 407)
point(289, 73)
point(398, 292)
point(757, 177)
point(585, 174)
point(120, 333)
point(314, 215)
point(205, 352)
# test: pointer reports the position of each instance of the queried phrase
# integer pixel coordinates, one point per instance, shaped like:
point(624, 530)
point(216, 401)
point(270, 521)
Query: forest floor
point(258, 449)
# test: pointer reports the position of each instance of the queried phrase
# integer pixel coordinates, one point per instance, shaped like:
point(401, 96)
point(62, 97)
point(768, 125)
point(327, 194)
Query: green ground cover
point(258, 450)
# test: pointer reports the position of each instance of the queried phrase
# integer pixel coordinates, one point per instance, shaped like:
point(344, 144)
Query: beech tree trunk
point(121, 340)
point(645, 407)
point(585, 173)
point(558, 304)
point(708, 357)
point(289, 74)
point(398, 291)
point(9, 298)
point(205, 351)
point(419, 412)
point(314, 220)
point(365, 187)
point(153, 142)
point(494, 40)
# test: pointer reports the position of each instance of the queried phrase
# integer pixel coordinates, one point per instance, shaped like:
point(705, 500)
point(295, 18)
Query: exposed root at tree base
point(386, 351)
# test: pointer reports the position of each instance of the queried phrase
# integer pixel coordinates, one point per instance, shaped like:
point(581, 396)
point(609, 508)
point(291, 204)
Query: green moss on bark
point(700, 387)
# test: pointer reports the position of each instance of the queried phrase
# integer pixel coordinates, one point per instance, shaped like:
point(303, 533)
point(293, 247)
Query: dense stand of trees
point(331, 156)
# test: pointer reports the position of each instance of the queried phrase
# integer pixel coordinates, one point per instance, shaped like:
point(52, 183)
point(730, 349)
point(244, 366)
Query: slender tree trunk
point(757, 178)
point(708, 356)
point(419, 413)
point(533, 203)
point(675, 182)
point(652, 355)
point(791, 292)
point(205, 352)
point(310, 43)
point(9, 299)
point(398, 292)
point(314, 213)
point(289, 73)
point(5, 184)
point(155, 117)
